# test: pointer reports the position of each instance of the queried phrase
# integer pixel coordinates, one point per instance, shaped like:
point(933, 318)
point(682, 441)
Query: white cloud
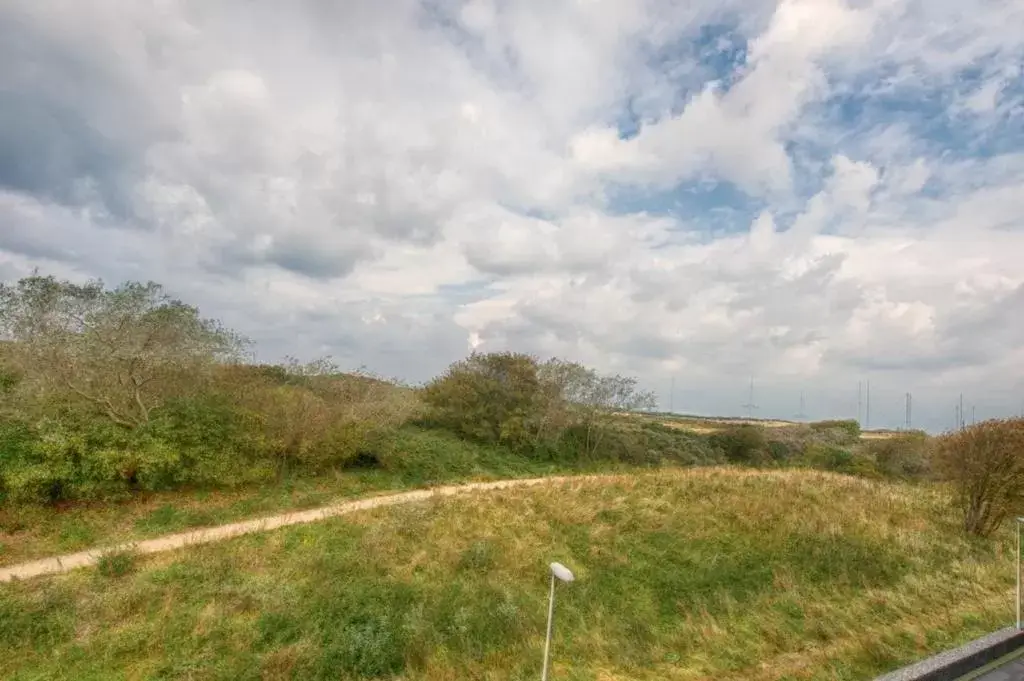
point(812, 191)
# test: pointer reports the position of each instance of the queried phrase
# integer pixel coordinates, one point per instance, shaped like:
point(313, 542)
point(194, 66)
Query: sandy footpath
point(171, 542)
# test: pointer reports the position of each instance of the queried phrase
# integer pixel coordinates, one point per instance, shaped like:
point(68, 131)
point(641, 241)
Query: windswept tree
point(512, 398)
point(121, 351)
point(985, 464)
point(593, 397)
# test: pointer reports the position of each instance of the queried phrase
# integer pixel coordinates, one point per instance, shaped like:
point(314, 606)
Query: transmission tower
point(867, 409)
point(750, 406)
point(910, 400)
point(801, 416)
point(860, 403)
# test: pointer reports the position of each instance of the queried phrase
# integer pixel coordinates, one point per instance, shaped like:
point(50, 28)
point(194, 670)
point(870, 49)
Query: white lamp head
point(561, 572)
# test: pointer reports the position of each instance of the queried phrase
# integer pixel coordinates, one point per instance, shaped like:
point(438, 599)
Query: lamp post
point(1018, 523)
point(561, 573)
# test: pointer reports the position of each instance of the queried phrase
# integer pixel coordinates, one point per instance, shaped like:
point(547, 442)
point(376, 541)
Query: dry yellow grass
point(878, 434)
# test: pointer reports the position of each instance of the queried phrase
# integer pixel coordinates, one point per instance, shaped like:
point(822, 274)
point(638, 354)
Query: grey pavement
point(1011, 671)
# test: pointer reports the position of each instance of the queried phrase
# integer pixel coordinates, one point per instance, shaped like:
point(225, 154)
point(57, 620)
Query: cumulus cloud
point(810, 192)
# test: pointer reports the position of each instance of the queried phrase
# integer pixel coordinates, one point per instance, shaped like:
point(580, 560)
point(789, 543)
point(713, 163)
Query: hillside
point(681, 575)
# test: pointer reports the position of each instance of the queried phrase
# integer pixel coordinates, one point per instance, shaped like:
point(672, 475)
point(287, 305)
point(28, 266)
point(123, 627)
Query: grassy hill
point(409, 458)
point(708, 573)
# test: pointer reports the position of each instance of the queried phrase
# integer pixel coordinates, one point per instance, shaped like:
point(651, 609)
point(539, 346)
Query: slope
point(709, 573)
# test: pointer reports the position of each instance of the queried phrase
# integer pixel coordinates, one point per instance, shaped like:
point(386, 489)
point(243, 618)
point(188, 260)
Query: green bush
point(198, 442)
point(15, 439)
point(622, 440)
point(779, 451)
point(904, 456)
point(604, 442)
point(742, 443)
point(845, 431)
point(497, 397)
point(211, 439)
point(215, 442)
point(838, 460)
point(649, 445)
point(72, 459)
point(828, 457)
point(22, 476)
point(47, 468)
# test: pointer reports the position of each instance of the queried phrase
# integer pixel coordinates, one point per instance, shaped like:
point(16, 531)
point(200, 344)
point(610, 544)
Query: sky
point(809, 194)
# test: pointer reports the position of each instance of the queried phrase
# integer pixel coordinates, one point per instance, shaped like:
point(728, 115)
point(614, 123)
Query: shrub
point(792, 437)
point(904, 456)
point(71, 459)
point(845, 431)
point(246, 429)
point(112, 391)
point(779, 451)
point(15, 439)
point(210, 441)
point(680, 446)
point(828, 457)
point(743, 443)
point(497, 397)
point(985, 463)
point(837, 459)
point(311, 418)
point(74, 456)
point(22, 476)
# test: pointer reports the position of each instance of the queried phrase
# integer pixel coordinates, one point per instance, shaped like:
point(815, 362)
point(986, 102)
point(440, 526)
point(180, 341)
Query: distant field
point(705, 425)
point(698, 574)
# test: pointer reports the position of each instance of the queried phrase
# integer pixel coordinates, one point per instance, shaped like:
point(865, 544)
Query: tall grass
point(681, 575)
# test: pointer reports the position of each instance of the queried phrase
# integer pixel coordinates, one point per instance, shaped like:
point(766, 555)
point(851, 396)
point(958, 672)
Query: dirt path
point(170, 542)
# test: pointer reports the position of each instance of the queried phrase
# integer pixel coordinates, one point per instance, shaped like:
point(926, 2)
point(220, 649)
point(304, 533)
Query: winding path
point(171, 542)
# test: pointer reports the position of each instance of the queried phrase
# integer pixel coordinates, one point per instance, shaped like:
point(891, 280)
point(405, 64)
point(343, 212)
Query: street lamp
point(1018, 523)
point(562, 573)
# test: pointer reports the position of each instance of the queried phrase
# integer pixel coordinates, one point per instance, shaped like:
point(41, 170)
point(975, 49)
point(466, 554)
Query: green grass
point(412, 458)
point(116, 563)
point(705, 574)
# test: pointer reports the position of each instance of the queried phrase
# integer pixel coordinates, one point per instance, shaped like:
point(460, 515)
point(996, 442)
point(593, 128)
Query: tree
point(121, 351)
point(592, 397)
point(985, 463)
point(493, 397)
point(512, 398)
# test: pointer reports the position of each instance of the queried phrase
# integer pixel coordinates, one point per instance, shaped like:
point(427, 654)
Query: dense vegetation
point(128, 395)
point(109, 393)
point(681, 575)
